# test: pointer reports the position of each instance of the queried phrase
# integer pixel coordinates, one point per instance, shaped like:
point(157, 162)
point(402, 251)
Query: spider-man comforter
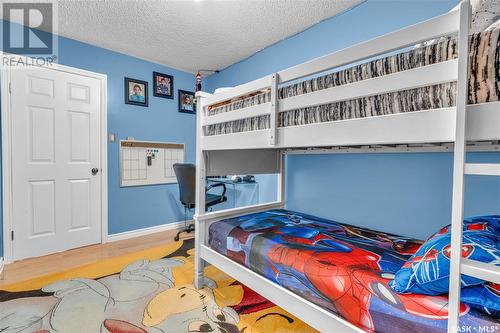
point(343, 268)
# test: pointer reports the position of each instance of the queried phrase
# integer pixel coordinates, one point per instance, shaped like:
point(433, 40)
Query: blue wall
point(409, 194)
point(136, 207)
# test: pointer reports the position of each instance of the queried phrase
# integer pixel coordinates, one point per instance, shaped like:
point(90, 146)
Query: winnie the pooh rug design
point(147, 292)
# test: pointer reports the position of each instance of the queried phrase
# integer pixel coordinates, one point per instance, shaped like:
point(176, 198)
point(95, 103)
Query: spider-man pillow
point(427, 271)
point(484, 297)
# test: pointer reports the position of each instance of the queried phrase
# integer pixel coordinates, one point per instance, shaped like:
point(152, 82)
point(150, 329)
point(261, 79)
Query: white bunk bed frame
point(263, 151)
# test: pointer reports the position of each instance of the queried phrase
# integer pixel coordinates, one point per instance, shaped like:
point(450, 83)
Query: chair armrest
point(208, 188)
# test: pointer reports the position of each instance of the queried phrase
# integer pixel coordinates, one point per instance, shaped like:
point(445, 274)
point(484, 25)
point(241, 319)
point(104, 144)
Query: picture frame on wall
point(163, 85)
point(187, 102)
point(136, 92)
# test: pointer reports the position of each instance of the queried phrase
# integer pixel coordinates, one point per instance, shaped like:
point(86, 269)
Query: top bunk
point(399, 88)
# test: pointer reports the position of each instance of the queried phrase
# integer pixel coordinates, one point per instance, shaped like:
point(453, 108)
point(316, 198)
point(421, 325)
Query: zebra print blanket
point(484, 86)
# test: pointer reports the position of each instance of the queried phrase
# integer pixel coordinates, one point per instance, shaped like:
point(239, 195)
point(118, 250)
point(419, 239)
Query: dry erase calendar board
point(149, 163)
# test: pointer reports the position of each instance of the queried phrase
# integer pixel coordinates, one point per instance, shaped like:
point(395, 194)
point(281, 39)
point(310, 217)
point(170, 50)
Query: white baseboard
point(147, 231)
point(2, 264)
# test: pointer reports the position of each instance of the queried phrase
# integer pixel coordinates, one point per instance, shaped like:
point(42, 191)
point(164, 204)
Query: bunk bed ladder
point(460, 169)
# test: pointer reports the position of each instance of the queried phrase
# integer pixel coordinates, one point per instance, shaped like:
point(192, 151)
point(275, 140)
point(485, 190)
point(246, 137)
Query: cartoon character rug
point(149, 291)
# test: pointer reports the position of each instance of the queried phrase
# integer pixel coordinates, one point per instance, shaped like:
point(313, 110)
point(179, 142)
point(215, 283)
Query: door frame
point(6, 128)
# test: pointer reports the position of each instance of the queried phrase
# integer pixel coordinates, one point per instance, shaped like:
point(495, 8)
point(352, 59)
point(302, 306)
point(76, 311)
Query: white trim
point(6, 128)
point(147, 231)
point(6, 165)
point(104, 157)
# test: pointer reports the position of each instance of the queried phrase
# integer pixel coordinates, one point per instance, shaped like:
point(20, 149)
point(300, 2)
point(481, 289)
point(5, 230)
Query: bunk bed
point(364, 96)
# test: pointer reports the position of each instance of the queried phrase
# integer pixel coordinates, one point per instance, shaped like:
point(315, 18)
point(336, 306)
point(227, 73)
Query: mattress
point(339, 267)
point(484, 86)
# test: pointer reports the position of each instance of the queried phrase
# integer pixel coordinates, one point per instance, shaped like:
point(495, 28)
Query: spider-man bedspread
point(342, 268)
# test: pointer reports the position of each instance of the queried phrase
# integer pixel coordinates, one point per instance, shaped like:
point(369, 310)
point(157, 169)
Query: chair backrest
point(186, 178)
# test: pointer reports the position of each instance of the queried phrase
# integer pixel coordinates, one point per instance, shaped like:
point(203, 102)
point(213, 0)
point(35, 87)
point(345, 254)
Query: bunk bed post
point(273, 138)
point(273, 128)
point(200, 224)
point(281, 178)
point(458, 168)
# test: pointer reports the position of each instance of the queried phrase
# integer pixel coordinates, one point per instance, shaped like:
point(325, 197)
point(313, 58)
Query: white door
point(56, 196)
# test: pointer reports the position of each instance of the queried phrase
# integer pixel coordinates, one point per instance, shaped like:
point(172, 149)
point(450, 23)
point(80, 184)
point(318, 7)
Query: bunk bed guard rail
point(250, 101)
point(252, 109)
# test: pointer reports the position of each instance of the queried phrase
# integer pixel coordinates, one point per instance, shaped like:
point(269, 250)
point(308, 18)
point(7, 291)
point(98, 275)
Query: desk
point(238, 194)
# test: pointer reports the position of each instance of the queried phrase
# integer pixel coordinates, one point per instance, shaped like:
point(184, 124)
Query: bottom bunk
point(337, 269)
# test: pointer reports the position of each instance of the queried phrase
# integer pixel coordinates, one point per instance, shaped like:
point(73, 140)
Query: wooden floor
point(35, 267)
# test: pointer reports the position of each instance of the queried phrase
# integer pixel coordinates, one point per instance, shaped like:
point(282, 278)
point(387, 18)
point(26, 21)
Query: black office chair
point(186, 178)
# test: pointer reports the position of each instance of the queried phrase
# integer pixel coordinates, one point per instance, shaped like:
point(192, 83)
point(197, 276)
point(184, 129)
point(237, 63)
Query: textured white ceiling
point(191, 34)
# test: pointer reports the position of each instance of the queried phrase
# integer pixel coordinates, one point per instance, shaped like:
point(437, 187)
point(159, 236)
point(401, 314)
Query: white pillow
point(495, 25)
point(223, 89)
point(485, 15)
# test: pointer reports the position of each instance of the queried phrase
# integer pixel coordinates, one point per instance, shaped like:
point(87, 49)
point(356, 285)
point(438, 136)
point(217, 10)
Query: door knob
point(95, 171)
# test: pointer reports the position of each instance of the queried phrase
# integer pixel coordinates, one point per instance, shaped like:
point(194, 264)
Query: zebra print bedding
point(484, 86)
point(258, 98)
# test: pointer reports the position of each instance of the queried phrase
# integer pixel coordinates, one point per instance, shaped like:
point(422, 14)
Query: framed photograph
point(187, 101)
point(163, 85)
point(136, 92)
